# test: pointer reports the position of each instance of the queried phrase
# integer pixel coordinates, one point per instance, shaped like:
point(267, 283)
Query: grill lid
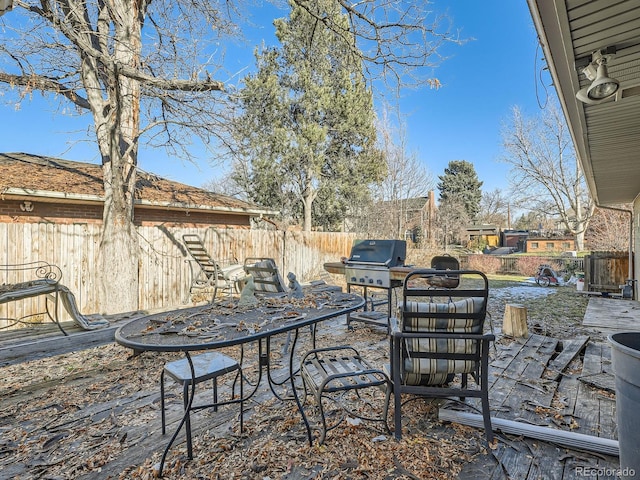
point(387, 253)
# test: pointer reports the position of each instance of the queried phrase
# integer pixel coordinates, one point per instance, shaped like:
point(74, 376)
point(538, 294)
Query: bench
point(42, 279)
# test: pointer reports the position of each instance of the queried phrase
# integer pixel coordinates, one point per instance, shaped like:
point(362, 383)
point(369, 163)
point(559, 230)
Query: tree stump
point(514, 323)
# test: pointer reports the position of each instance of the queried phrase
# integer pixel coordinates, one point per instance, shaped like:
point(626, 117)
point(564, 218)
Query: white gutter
point(48, 195)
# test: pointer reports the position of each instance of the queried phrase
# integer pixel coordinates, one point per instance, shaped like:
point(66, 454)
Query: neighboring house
point(487, 235)
point(549, 244)
point(578, 37)
point(414, 218)
point(514, 239)
point(35, 189)
point(419, 216)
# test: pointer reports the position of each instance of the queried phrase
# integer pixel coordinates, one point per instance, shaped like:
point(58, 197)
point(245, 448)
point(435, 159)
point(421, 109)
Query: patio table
point(224, 324)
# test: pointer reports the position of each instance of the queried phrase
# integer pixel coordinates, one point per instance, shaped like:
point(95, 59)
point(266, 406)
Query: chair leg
point(215, 294)
point(215, 394)
point(185, 397)
point(486, 415)
point(465, 383)
point(323, 433)
point(396, 382)
point(397, 413)
point(241, 403)
point(387, 400)
point(162, 402)
point(484, 387)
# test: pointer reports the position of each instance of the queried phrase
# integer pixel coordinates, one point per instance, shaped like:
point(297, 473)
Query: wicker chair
point(439, 336)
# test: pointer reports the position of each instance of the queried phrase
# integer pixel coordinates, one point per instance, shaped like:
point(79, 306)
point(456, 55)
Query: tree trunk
point(580, 241)
point(306, 204)
point(119, 251)
point(117, 129)
point(514, 323)
point(308, 196)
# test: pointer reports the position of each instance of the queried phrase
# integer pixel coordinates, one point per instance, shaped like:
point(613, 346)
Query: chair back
point(440, 336)
point(445, 314)
point(197, 250)
point(265, 273)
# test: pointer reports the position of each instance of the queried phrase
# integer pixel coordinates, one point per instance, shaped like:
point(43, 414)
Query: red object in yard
point(546, 276)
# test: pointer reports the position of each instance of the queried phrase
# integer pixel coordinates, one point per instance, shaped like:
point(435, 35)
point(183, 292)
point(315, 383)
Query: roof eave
point(51, 196)
point(556, 43)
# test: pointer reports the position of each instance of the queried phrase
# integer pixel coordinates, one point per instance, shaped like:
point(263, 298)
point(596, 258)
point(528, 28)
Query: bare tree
point(545, 174)
point(407, 180)
point(494, 208)
point(134, 67)
point(609, 229)
point(144, 70)
point(453, 219)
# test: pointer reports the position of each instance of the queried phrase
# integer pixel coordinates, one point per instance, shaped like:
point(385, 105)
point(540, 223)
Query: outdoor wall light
point(602, 86)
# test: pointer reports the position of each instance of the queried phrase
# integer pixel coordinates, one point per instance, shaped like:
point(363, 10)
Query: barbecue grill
point(368, 267)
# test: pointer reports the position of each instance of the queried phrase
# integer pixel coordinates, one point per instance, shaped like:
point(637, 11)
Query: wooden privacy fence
point(606, 271)
point(164, 275)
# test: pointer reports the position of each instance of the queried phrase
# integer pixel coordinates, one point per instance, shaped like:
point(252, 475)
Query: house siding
point(16, 211)
point(189, 218)
point(13, 211)
point(546, 245)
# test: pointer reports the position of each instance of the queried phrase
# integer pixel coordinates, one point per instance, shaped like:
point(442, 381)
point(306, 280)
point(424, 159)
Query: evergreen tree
point(460, 185)
point(306, 133)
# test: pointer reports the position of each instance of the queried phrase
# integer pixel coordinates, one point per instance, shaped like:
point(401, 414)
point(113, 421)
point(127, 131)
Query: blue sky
point(481, 81)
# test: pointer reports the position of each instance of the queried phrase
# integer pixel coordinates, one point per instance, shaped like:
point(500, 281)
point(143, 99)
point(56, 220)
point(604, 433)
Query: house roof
point(607, 134)
point(32, 175)
point(485, 229)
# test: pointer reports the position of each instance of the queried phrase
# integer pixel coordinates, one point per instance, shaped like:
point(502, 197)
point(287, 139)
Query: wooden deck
point(559, 383)
point(609, 315)
point(38, 341)
point(538, 382)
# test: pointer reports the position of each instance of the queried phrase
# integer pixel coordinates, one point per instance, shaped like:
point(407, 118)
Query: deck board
point(611, 315)
point(533, 383)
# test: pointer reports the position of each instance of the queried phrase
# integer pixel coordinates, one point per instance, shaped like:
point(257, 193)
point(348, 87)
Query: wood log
point(514, 323)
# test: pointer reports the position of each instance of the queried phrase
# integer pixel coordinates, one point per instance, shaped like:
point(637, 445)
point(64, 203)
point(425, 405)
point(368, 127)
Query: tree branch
point(37, 82)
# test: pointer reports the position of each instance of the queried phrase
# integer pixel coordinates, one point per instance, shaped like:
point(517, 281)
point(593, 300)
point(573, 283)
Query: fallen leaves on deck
point(73, 415)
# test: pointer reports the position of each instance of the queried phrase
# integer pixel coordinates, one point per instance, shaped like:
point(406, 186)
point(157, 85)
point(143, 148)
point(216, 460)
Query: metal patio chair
point(439, 336)
point(329, 373)
point(205, 271)
point(206, 366)
point(266, 276)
